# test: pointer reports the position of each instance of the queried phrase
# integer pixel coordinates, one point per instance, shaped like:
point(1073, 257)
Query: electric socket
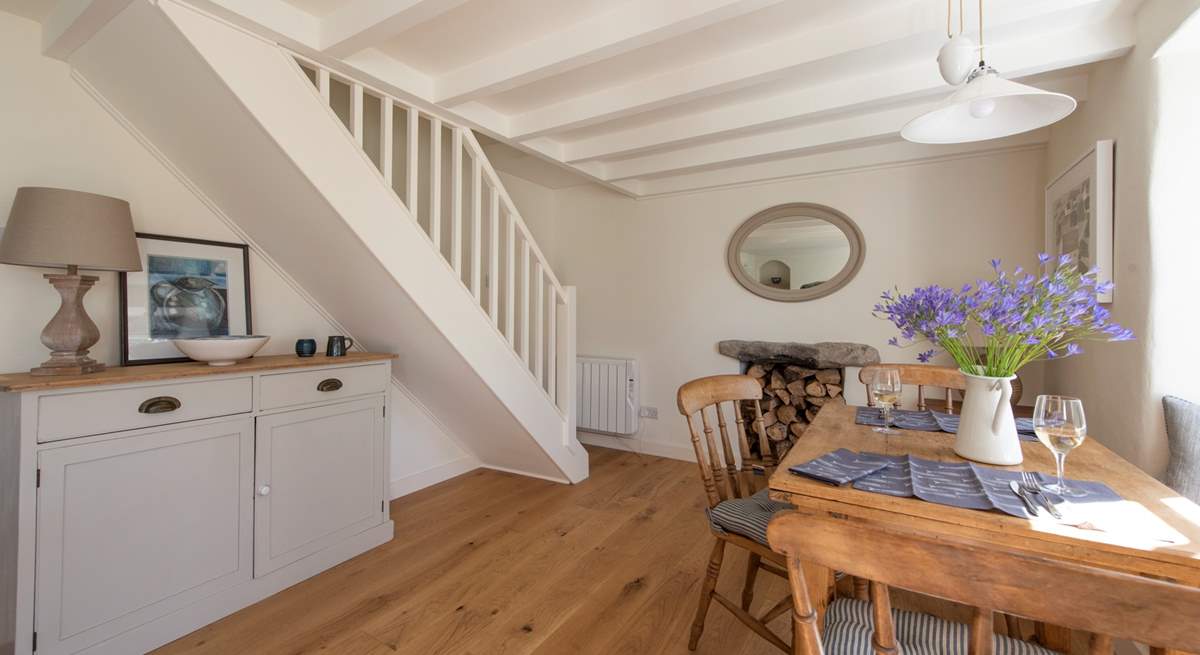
point(648, 412)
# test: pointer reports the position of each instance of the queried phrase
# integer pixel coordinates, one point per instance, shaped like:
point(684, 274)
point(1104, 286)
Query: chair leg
point(706, 591)
point(751, 575)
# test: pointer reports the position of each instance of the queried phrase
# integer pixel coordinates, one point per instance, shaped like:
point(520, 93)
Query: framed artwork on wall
point(1079, 212)
point(187, 288)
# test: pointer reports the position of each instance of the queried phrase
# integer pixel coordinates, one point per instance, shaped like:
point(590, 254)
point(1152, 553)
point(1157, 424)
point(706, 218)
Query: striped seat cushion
point(848, 631)
point(746, 516)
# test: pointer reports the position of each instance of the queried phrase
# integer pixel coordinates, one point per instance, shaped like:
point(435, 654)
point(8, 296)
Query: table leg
point(817, 579)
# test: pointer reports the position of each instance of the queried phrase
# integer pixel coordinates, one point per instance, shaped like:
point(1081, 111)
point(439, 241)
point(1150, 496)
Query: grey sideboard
point(141, 503)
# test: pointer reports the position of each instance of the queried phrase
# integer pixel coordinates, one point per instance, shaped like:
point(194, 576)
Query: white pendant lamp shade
point(988, 107)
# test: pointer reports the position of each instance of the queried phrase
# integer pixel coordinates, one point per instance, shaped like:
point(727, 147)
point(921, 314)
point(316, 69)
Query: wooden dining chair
point(738, 512)
point(923, 375)
point(988, 577)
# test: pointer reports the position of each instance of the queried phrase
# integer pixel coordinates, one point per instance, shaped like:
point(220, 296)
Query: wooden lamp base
point(71, 333)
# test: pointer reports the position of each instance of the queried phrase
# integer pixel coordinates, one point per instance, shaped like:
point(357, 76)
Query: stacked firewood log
point(792, 396)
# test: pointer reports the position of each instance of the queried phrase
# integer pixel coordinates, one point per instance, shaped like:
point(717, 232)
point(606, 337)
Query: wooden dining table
point(1153, 532)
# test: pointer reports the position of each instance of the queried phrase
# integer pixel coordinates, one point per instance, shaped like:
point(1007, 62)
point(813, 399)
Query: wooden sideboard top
point(18, 382)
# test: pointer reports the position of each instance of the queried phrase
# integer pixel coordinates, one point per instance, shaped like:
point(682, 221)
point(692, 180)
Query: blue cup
point(306, 347)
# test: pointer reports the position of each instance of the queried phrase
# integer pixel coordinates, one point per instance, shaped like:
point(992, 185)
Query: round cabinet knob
point(264, 490)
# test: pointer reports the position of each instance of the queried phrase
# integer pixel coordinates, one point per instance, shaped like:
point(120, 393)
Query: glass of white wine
point(885, 392)
point(1060, 425)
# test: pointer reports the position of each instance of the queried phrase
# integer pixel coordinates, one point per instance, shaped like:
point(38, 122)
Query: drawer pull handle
point(159, 405)
point(332, 384)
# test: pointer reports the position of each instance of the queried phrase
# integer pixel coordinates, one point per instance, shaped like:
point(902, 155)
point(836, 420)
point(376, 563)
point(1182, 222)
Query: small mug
point(306, 347)
point(338, 345)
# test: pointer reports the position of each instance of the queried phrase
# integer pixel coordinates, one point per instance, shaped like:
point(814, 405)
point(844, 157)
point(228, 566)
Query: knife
point(1016, 489)
point(1049, 505)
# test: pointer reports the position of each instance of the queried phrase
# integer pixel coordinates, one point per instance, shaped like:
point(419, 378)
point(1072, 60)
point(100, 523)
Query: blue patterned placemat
point(963, 484)
point(929, 421)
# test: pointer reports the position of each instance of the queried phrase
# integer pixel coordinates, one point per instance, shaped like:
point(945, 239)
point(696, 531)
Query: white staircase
point(390, 217)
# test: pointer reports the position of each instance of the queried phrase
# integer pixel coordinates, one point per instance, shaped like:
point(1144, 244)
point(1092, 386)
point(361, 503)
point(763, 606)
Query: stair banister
point(537, 345)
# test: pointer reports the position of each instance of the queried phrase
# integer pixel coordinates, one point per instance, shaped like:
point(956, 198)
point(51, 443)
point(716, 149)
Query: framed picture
point(1079, 212)
point(187, 288)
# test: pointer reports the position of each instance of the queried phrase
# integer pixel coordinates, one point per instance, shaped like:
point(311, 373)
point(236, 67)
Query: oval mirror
point(796, 252)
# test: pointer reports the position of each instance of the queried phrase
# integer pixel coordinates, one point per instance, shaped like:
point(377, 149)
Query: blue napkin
point(841, 466)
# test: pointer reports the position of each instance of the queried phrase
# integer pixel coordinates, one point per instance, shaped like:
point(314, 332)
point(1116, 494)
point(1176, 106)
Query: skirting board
point(671, 451)
point(416, 481)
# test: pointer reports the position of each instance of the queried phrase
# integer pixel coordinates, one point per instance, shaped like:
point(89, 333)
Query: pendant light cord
point(950, 16)
point(981, 64)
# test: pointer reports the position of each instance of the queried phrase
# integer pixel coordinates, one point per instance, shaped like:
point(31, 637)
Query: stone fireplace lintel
point(827, 354)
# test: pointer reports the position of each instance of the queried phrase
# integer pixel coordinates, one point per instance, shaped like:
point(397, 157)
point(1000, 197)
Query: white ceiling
point(662, 96)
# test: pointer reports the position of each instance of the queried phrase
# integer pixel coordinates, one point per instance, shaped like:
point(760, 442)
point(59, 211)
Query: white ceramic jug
point(987, 431)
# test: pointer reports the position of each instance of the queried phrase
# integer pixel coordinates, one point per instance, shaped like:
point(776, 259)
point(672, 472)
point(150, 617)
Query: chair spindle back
point(722, 476)
point(922, 375)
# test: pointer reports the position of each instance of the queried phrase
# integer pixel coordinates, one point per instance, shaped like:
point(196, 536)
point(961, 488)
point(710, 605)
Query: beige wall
point(1122, 383)
point(653, 283)
point(539, 208)
point(54, 134)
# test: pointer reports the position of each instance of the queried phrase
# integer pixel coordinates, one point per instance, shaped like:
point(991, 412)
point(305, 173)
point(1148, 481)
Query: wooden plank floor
point(493, 563)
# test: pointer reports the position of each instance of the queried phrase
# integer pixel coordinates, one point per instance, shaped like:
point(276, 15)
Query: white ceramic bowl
point(221, 351)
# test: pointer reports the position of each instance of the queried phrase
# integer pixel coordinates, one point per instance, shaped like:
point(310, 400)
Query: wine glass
point(1060, 425)
point(885, 391)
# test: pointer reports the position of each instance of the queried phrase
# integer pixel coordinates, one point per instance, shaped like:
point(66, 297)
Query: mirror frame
point(858, 250)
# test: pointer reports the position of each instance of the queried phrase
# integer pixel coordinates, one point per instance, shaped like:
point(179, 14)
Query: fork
point(1030, 484)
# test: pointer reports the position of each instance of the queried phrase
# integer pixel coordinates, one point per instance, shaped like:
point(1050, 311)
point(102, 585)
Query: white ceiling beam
point(275, 19)
point(401, 80)
point(846, 132)
point(73, 23)
point(362, 24)
point(629, 26)
point(764, 63)
point(840, 162)
point(1034, 54)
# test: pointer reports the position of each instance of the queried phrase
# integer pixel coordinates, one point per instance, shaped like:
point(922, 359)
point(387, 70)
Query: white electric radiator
point(608, 400)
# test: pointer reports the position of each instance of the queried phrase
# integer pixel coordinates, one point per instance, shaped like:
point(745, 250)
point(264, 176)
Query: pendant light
point(987, 106)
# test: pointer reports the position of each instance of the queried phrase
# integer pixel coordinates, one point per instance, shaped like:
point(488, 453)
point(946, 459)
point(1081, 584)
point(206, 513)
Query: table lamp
point(58, 228)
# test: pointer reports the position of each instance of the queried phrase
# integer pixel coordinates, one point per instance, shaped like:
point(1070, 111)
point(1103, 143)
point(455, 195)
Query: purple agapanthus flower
point(1021, 316)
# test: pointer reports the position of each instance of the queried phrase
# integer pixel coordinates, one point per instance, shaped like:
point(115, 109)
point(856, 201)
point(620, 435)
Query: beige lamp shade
point(58, 228)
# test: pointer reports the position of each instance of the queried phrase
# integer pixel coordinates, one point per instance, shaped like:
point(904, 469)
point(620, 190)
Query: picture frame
point(187, 288)
point(1079, 212)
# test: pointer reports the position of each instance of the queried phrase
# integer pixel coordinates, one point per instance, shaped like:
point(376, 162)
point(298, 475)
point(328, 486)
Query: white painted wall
point(540, 207)
point(653, 284)
point(54, 134)
point(1148, 106)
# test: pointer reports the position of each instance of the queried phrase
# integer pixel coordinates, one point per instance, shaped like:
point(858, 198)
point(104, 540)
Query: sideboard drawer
point(303, 387)
point(82, 413)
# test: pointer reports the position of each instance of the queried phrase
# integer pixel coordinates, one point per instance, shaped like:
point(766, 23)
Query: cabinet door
point(135, 527)
point(318, 479)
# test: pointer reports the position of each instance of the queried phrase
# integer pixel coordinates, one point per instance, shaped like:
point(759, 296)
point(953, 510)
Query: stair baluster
point(536, 296)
